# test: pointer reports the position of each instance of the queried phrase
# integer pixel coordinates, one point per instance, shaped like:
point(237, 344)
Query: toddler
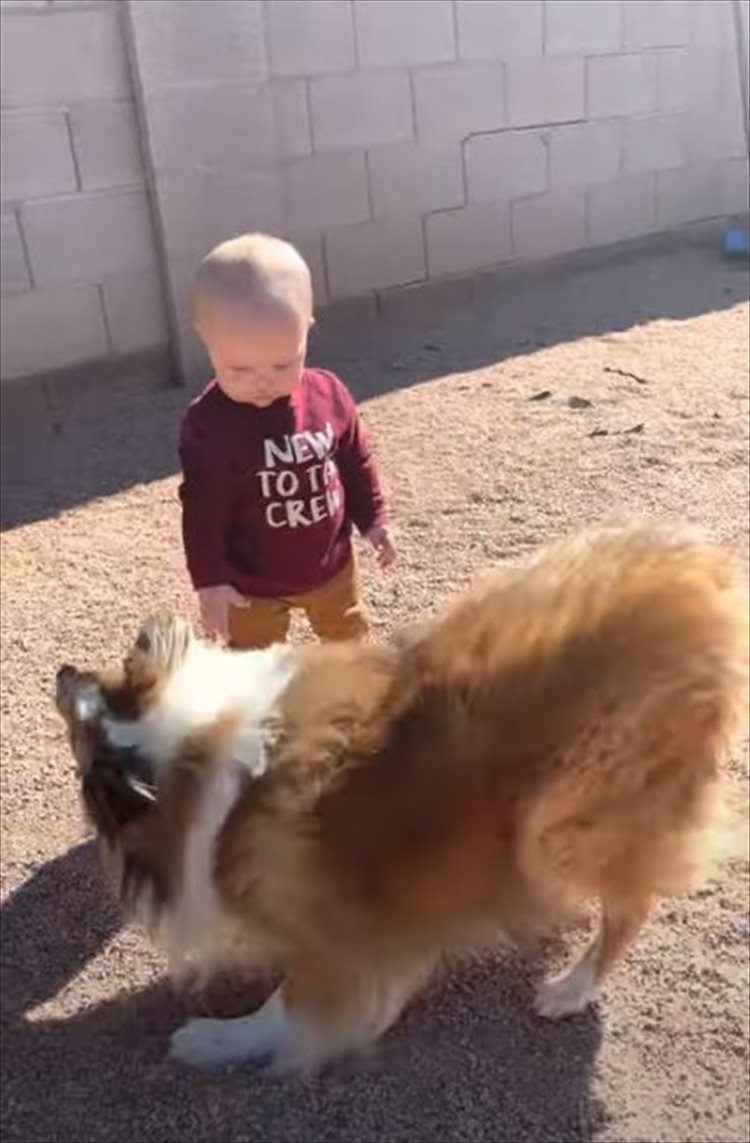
point(277, 467)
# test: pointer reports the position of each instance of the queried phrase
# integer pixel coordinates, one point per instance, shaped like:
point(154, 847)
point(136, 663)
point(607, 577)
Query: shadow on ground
point(67, 442)
point(470, 1062)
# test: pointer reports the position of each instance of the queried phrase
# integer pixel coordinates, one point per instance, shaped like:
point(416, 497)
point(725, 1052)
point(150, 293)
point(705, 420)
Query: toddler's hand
point(382, 543)
point(214, 605)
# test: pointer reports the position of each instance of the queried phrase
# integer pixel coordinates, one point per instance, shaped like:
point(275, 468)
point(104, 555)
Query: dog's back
point(556, 736)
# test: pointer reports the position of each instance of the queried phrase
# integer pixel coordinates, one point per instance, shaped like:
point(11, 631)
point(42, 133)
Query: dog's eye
point(143, 643)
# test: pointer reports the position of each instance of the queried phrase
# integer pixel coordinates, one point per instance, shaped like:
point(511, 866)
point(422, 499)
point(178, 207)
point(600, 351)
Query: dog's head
point(119, 784)
point(91, 701)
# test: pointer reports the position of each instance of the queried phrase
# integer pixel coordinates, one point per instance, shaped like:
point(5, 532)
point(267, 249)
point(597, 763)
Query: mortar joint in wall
point(355, 34)
point(368, 186)
point(425, 247)
point(265, 38)
point(308, 109)
point(105, 318)
point(73, 153)
point(464, 172)
point(24, 247)
point(413, 102)
point(456, 42)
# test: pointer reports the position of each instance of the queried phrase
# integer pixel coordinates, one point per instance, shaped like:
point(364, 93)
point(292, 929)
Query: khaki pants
point(334, 611)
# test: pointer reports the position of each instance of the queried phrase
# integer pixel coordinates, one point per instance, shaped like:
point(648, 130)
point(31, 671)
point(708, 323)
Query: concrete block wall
point(399, 141)
point(396, 141)
point(80, 279)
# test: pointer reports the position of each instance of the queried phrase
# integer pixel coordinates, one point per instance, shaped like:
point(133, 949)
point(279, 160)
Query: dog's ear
point(160, 647)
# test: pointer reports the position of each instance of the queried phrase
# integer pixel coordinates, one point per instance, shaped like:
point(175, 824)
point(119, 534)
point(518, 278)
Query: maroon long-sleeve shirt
point(269, 495)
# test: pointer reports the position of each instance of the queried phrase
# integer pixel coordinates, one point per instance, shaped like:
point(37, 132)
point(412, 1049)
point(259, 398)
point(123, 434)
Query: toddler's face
point(259, 358)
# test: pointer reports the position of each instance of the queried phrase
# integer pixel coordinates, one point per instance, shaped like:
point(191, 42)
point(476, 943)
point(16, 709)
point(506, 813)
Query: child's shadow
point(469, 1062)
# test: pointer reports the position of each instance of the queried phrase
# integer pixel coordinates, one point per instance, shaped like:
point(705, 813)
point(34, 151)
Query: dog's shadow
point(470, 1061)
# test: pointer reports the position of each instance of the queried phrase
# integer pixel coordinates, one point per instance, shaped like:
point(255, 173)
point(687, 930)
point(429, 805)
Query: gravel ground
point(644, 363)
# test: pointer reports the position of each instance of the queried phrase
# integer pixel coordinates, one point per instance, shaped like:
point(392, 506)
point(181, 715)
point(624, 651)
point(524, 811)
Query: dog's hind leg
point(575, 989)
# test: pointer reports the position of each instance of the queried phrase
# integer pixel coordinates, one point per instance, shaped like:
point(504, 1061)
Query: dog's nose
point(63, 684)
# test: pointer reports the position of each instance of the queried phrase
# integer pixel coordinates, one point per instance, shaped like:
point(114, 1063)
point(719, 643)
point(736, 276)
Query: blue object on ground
point(736, 242)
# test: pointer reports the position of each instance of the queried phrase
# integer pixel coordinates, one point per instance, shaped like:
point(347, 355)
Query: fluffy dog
point(351, 813)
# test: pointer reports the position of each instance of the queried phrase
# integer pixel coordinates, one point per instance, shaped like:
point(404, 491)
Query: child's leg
point(260, 624)
point(335, 610)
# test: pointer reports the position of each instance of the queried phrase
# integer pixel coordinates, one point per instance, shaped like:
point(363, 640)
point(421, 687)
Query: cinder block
point(134, 306)
point(673, 79)
point(37, 159)
point(386, 252)
point(471, 238)
point(409, 177)
point(201, 211)
point(292, 118)
point(711, 23)
point(734, 177)
point(545, 91)
point(656, 23)
point(367, 109)
point(55, 57)
point(689, 194)
point(408, 33)
point(574, 28)
point(453, 102)
point(88, 237)
point(499, 29)
point(105, 137)
point(654, 142)
point(51, 329)
point(549, 224)
point(715, 120)
point(621, 85)
point(510, 164)
point(197, 44)
point(583, 153)
point(226, 130)
point(310, 37)
point(15, 272)
point(326, 190)
point(621, 209)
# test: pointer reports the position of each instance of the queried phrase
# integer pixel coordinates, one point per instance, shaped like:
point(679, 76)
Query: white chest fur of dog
point(206, 685)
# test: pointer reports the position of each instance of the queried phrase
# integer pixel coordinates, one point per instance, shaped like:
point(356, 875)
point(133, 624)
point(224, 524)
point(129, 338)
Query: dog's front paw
point(208, 1044)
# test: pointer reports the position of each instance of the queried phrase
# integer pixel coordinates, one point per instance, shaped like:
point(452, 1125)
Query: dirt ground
point(482, 467)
